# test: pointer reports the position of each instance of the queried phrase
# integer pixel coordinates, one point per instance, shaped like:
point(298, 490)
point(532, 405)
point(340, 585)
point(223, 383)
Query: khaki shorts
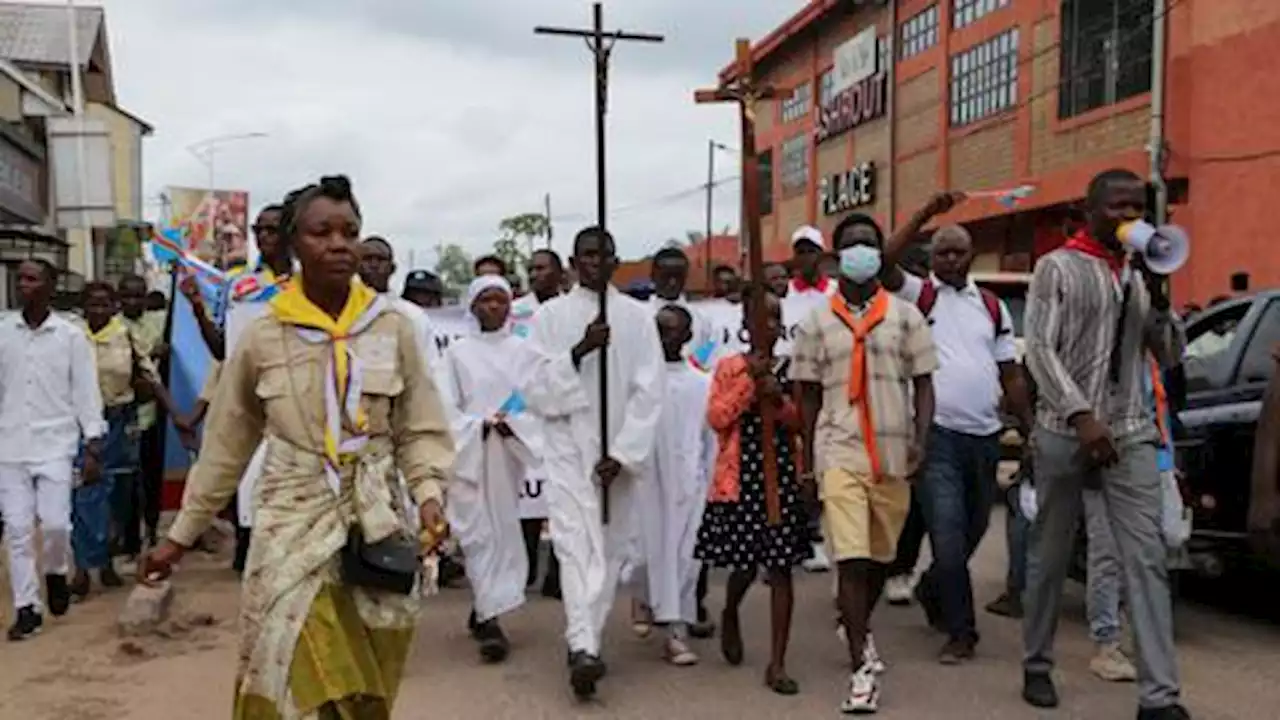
point(862, 519)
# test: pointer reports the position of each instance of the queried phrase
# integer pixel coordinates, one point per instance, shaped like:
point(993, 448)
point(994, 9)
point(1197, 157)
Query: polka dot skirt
point(737, 535)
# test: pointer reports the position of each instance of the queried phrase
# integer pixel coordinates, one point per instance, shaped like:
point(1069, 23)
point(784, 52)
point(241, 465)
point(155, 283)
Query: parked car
point(1218, 392)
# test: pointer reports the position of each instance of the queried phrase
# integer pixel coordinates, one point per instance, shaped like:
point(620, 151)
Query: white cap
point(810, 234)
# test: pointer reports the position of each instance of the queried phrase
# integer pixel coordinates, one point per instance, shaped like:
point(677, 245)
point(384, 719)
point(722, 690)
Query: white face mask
point(860, 263)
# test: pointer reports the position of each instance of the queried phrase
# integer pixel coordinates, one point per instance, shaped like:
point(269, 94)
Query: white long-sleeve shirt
point(49, 392)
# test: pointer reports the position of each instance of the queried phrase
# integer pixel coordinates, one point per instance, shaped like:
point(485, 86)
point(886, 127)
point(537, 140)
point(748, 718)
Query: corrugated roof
point(38, 33)
point(803, 19)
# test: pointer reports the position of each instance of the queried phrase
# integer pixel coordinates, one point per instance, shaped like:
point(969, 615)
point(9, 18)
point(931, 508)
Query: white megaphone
point(1165, 249)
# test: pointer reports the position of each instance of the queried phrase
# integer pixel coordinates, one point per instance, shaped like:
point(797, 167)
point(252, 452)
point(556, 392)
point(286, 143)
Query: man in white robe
point(496, 441)
point(568, 339)
point(669, 273)
point(673, 492)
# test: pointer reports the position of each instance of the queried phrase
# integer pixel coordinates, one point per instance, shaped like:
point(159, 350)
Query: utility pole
point(550, 227)
point(601, 43)
point(712, 147)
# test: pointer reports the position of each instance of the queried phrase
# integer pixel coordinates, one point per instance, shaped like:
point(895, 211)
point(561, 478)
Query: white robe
point(673, 495)
point(483, 496)
point(568, 399)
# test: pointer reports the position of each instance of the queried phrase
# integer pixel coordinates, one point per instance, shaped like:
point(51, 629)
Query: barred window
point(795, 163)
point(796, 104)
point(984, 79)
point(1105, 53)
point(918, 33)
point(967, 12)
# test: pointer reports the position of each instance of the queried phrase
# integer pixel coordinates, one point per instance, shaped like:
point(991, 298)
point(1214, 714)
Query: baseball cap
point(422, 280)
point(809, 234)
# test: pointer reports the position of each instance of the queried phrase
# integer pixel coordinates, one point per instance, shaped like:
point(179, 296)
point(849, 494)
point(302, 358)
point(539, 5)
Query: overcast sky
point(448, 115)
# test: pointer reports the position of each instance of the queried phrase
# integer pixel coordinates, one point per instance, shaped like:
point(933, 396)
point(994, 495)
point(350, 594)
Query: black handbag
point(391, 564)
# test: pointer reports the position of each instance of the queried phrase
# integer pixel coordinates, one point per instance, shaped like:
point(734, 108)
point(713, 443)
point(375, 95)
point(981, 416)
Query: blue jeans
point(96, 507)
point(1016, 529)
point(957, 489)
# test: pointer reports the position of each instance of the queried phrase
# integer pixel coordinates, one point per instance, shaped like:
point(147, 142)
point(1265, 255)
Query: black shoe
point(928, 599)
point(58, 593)
point(27, 623)
point(552, 591)
point(473, 625)
point(956, 651)
point(80, 585)
point(1007, 605)
point(584, 672)
point(110, 578)
point(494, 646)
point(1038, 690)
point(1172, 712)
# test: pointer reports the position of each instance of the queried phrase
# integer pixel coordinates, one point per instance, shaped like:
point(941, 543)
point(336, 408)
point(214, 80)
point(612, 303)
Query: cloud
point(448, 116)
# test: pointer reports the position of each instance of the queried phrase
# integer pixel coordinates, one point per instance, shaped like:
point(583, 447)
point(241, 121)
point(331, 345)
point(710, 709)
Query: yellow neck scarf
point(107, 332)
point(342, 391)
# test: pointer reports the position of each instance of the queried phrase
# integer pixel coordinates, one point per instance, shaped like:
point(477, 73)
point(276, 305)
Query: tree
point(453, 266)
point(508, 250)
point(524, 229)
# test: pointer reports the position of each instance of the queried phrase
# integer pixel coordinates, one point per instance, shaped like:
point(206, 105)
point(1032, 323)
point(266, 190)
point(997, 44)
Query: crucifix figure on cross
point(744, 90)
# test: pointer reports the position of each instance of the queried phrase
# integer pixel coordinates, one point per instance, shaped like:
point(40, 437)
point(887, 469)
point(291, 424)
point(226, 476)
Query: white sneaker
point(1111, 664)
point(864, 693)
point(819, 562)
point(871, 657)
point(898, 589)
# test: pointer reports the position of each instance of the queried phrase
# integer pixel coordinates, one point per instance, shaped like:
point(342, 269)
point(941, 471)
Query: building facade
point(881, 103)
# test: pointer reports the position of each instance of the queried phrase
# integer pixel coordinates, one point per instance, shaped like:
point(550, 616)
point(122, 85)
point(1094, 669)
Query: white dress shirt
point(49, 391)
point(966, 386)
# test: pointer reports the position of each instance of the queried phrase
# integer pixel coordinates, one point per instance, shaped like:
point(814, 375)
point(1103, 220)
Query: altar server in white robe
point(496, 440)
point(669, 273)
point(673, 492)
point(564, 390)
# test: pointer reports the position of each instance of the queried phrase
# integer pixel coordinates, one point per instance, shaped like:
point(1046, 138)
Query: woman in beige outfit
point(333, 380)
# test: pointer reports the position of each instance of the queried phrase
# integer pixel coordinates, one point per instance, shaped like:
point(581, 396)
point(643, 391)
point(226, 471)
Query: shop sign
point(851, 189)
point(860, 103)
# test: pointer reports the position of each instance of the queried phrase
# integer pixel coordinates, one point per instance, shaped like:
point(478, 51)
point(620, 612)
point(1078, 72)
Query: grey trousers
point(1106, 574)
point(1133, 502)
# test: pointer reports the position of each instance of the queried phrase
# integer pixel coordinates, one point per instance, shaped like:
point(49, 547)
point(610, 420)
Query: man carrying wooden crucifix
point(864, 362)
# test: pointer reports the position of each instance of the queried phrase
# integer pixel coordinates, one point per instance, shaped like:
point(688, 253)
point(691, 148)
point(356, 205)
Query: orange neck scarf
point(1162, 401)
point(859, 395)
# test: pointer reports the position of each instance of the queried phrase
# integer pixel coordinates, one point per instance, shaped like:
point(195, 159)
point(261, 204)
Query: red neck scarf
point(1085, 243)
point(799, 284)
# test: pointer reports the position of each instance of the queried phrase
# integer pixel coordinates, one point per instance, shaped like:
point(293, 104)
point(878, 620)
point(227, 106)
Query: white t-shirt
point(966, 386)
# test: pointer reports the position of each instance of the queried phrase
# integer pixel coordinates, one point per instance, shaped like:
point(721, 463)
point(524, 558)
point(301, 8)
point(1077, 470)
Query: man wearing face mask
point(1093, 315)
point(974, 335)
point(864, 362)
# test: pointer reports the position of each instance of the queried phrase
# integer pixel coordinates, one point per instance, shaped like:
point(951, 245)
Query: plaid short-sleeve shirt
point(899, 349)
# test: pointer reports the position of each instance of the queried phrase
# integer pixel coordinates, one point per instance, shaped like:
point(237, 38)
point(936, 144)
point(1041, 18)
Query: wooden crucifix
point(600, 43)
point(745, 91)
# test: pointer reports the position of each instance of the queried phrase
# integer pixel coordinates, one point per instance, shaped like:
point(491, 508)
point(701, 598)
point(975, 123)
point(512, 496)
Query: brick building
point(883, 102)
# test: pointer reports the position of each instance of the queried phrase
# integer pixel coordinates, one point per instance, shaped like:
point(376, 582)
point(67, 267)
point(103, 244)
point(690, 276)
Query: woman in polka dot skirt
point(735, 532)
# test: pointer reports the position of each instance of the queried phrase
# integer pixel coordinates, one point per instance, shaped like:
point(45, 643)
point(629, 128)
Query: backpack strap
point(992, 303)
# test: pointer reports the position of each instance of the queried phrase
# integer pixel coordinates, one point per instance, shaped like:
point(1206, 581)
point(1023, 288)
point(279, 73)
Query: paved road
point(76, 671)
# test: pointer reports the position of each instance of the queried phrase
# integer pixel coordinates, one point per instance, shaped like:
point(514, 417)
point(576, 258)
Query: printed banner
point(218, 223)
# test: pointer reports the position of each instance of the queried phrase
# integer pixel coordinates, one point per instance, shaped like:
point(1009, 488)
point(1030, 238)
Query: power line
point(661, 201)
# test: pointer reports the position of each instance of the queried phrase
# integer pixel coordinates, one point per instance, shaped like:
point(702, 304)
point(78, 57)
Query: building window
point(918, 33)
point(1106, 53)
point(796, 104)
point(764, 162)
point(967, 12)
point(795, 163)
point(984, 79)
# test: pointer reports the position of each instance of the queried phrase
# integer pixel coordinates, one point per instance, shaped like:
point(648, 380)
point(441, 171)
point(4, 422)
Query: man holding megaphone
point(1096, 308)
